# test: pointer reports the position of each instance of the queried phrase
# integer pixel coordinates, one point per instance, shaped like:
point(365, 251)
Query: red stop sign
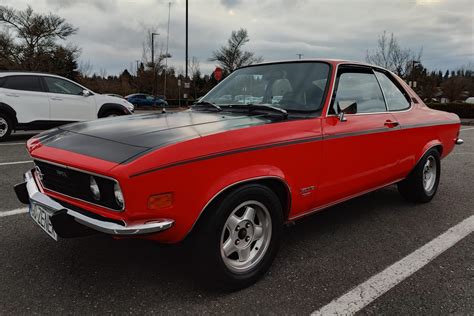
point(218, 74)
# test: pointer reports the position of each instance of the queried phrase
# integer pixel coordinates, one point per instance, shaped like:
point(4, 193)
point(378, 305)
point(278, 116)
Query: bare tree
point(194, 67)
point(29, 40)
point(233, 56)
point(85, 68)
point(390, 55)
point(454, 87)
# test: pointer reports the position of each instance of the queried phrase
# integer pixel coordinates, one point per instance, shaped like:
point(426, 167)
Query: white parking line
point(365, 293)
point(466, 129)
point(14, 212)
point(14, 162)
point(9, 144)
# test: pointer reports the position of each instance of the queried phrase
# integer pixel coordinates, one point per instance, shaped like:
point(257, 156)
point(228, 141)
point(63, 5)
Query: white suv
point(32, 101)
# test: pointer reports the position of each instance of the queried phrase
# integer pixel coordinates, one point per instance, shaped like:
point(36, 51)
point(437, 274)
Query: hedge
point(463, 110)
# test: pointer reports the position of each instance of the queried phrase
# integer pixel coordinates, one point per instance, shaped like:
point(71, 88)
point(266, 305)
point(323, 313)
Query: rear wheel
point(422, 183)
point(6, 127)
point(238, 242)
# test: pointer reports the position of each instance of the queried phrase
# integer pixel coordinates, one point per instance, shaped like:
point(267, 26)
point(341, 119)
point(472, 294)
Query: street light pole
point(186, 72)
point(153, 61)
point(167, 45)
point(299, 55)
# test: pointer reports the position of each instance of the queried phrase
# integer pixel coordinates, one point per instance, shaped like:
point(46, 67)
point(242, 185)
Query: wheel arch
point(275, 183)
point(8, 110)
point(111, 107)
point(430, 145)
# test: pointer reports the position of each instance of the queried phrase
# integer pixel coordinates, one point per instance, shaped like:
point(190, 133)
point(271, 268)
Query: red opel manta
point(271, 143)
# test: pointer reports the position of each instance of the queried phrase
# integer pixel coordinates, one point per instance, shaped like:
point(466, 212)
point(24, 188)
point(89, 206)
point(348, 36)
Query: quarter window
point(25, 83)
point(395, 99)
point(57, 85)
point(362, 88)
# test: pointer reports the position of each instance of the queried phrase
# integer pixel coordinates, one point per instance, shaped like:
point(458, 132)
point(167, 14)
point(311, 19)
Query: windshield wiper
point(206, 104)
point(261, 107)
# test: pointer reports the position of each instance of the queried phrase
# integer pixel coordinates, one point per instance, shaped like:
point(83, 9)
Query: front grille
point(76, 184)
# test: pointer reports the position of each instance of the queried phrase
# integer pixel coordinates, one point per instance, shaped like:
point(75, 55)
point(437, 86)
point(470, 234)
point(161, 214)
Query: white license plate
point(41, 216)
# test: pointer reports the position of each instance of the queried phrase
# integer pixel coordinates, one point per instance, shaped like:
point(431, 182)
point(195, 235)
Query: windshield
point(295, 86)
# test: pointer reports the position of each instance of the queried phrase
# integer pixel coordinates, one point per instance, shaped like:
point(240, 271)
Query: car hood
point(121, 139)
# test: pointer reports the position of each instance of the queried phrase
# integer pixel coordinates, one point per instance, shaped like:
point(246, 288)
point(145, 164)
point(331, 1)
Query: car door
point(25, 94)
point(359, 148)
point(68, 104)
point(150, 100)
point(399, 104)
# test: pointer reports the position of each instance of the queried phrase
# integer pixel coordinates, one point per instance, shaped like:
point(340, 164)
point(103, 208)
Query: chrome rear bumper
point(459, 141)
point(28, 192)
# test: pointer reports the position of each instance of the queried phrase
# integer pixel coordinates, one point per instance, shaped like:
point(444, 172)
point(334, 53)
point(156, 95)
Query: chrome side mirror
point(86, 93)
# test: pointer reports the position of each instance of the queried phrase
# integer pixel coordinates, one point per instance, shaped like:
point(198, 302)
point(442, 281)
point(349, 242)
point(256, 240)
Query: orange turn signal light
point(159, 201)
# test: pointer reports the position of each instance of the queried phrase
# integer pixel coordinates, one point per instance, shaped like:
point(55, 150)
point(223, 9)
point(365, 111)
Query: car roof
point(4, 73)
point(332, 61)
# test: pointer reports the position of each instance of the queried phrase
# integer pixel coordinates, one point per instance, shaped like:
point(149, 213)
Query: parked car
point(470, 100)
point(35, 101)
point(141, 99)
point(226, 176)
point(114, 95)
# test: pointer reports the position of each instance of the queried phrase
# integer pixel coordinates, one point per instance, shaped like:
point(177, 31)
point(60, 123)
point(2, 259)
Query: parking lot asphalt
point(322, 257)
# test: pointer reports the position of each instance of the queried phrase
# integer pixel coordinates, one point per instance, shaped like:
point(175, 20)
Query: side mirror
point(86, 93)
point(346, 107)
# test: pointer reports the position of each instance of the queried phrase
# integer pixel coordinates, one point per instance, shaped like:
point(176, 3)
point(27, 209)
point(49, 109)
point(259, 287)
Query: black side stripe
point(291, 142)
point(230, 152)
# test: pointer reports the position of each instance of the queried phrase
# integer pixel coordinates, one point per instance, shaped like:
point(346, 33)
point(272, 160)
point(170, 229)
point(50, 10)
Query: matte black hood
point(120, 139)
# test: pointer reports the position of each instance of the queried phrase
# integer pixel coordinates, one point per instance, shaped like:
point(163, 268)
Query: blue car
point(141, 99)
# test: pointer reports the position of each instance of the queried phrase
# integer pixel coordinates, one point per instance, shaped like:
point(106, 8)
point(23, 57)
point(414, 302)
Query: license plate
point(41, 216)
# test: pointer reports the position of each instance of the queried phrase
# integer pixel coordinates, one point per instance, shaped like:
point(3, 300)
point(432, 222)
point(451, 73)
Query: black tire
point(213, 271)
point(112, 114)
point(413, 187)
point(6, 127)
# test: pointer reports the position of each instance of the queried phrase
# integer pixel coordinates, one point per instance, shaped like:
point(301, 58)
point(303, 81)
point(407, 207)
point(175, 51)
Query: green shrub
point(463, 110)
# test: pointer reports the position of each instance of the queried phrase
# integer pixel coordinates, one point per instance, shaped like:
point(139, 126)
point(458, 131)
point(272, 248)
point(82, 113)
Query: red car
point(271, 143)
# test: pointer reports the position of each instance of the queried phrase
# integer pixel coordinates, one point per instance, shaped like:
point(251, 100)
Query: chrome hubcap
point(246, 236)
point(3, 127)
point(429, 174)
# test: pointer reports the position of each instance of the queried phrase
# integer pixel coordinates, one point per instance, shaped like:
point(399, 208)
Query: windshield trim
point(314, 113)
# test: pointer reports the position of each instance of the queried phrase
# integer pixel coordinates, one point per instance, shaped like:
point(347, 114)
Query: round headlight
point(94, 189)
point(118, 195)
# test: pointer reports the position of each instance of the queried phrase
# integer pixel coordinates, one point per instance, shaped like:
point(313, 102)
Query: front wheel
point(238, 242)
point(6, 127)
point(422, 183)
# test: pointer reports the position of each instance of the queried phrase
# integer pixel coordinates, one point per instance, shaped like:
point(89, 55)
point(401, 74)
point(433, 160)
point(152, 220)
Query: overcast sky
point(111, 32)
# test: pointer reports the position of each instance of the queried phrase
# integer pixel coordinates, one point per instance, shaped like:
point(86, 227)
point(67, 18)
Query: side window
point(361, 88)
point(395, 98)
point(25, 83)
point(57, 85)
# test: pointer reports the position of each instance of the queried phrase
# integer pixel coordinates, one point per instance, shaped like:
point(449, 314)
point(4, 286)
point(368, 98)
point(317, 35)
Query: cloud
point(111, 32)
point(231, 3)
point(102, 5)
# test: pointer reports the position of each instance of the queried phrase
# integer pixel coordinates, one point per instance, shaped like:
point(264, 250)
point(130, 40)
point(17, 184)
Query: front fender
point(242, 175)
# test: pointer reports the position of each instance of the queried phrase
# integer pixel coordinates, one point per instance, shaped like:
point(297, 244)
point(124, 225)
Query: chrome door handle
point(12, 95)
point(56, 99)
point(391, 124)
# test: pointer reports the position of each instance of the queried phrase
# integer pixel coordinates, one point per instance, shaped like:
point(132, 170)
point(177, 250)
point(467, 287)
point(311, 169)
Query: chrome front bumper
point(28, 192)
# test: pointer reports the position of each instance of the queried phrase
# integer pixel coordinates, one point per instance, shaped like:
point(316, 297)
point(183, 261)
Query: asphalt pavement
point(322, 257)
